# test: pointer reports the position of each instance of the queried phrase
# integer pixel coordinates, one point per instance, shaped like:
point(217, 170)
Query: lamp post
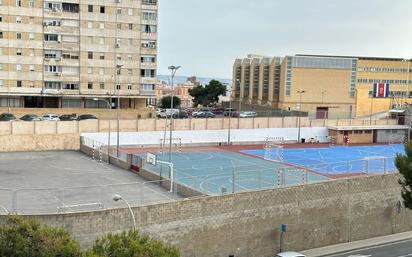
point(118, 68)
point(118, 197)
point(300, 92)
point(108, 138)
point(240, 104)
point(173, 69)
point(230, 116)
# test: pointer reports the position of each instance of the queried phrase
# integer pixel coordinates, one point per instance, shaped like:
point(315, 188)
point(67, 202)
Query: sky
point(206, 36)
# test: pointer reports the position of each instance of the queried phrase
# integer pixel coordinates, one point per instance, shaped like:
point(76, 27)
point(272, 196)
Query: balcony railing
point(149, 2)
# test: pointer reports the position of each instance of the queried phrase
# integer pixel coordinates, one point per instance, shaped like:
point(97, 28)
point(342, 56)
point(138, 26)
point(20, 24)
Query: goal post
point(165, 144)
point(273, 149)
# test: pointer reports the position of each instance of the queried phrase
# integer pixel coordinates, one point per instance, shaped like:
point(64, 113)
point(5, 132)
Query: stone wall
point(247, 224)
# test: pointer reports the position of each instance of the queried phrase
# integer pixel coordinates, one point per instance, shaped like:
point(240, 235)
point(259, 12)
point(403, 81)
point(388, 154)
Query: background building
point(63, 54)
point(180, 90)
point(329, 86)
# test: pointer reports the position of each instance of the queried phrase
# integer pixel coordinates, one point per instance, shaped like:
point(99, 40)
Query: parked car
point(235, 114)
point(30, 117)
point(68, 117)
point(87, 117)
point(190, 111)
point(205, 115)
point(290, 254)
point(161, 113)
point(228, 110)
point(180, 115)
point(248, 114)
point(50, 117)
point(218, 111)
point(7, 117)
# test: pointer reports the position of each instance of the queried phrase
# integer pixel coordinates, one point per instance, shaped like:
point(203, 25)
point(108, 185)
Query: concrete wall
point(247, 224)
point(17, 143)
point(75, 127)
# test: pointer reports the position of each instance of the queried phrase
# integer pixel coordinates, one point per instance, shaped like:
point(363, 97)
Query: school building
point(324, 86)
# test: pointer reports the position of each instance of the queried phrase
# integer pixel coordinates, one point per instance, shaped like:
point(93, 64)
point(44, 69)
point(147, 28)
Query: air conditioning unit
point(44, 23)
point(117, 45)
point(54, 9)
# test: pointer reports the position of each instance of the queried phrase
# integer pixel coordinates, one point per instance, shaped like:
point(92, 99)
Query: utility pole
point(173, 69)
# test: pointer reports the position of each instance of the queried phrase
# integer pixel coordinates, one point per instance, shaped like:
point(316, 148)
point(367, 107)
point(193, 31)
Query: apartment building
point(324, 86)
point(77, 54)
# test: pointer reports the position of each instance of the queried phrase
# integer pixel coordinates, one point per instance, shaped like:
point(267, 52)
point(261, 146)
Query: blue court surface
point(339, 159)
point(216, 172)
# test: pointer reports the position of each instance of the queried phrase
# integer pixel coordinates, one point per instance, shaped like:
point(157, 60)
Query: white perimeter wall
point(210, 136)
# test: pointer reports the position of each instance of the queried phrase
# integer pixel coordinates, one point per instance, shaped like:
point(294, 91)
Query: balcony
point(148, 92)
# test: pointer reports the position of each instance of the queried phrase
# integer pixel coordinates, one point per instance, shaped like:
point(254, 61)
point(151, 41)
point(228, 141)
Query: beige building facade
point(324, 86)
point(69, 54)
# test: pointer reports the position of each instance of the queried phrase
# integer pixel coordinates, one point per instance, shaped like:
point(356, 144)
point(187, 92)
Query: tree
point(207, 95)
point(167, 100)
point(130, 244)
point(21, 237)
point(404, 165)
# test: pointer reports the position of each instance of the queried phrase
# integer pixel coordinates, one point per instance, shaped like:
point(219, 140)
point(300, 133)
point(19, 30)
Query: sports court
point(219, 171)
point(341, 159)
point(69, 181)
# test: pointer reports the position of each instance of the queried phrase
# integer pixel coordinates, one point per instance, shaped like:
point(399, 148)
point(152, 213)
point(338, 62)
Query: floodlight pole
point(110, 116)
point(173, 69)
point(118, 68)
point(118, 197)
point(240, 104)
point(300, 92)
point(230, 117)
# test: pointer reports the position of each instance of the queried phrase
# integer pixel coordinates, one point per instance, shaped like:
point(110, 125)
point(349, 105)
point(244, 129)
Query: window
point(52, 23)
point(89, 70)
point(54, 6)
point(129, 71)
point(31, 67)
point(90, 85)
point(102, 9)
point(18, 35)
point(147, 87)
point(130, 26)
point(119, 26)
point(89, 24)
point(18, 19)
point(149, 28)
point(31, 36)
point(101, 86)
point(90, 55)
point(101, 25)
point(130, 11)
point(31, 3)
point(52, 68)
point(149, 15)
point(19, 83)
point(148, 44)
point(18, 67)
point(118, 87)
point(31, 20)
point(101, 71)
point(68, 7)
point(148, 73)
point(51, 37)
point(18, 3)
point(90, 8)
point(129, 87)
point(1, 18)
point(101, 56)
point(1, 34)
point(119, 57)
point(52, 54)
point(130, 41)
point(18, 51)
point(148, 59)
point(31, 51)
point(71, 86)
point(101, 40)
point(52, 85)
point(119, 11)
point(70, 55)
point(129, 57)
point(119, 71)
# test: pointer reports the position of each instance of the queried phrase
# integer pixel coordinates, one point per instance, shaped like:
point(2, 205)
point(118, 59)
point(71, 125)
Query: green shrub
point(22, 237)
point(130, 244)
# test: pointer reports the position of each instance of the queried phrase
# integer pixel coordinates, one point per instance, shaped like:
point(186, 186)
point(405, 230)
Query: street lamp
point(110, 117)
point(240, 103)
point(230, 116)
point(118, 197)
point(118, 68)
point(300, 92)
point(173, 69)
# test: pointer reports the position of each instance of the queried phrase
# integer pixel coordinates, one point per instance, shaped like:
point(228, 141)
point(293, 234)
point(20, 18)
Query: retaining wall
point(247, 224)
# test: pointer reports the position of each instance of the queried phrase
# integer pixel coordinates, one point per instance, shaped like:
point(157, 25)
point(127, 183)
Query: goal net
point(274, 149)
point(332, 140)
point(165, 145)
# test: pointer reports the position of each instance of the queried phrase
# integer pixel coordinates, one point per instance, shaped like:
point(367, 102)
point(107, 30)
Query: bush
point(21, 237)
point(130, 244)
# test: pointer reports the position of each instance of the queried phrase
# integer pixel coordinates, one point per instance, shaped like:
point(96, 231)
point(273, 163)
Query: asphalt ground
point(69, 181)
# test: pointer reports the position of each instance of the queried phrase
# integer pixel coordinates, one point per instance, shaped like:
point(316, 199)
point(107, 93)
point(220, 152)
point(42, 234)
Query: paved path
point(397, 245)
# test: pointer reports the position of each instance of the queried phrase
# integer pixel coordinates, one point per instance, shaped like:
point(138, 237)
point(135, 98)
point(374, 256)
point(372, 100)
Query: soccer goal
point(274, 148)
point(165, 145)
point(332, 140)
